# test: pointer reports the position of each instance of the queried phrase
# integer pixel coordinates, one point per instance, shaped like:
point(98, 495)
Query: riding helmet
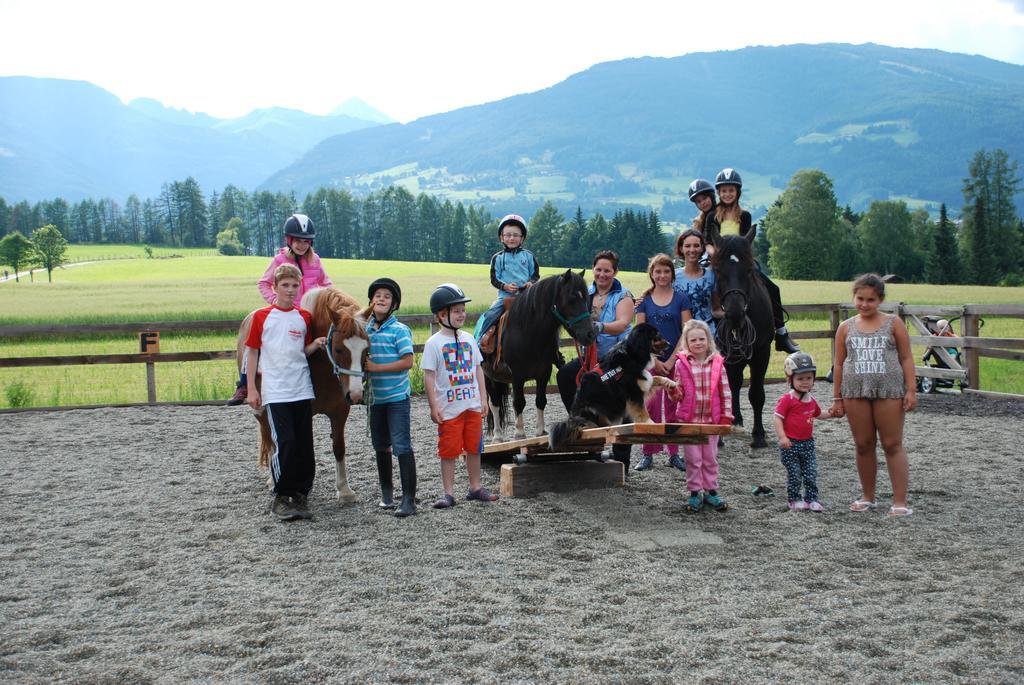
point(396, 291)
point(512, 219)
point(728, 177)
point(445, 295)
point(299, 226)
point(799, 362)
point(698, 186)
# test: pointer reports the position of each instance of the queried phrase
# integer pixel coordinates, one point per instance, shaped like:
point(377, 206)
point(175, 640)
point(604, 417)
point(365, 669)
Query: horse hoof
point(759, 443)
point(520, 435)
point(347, 496)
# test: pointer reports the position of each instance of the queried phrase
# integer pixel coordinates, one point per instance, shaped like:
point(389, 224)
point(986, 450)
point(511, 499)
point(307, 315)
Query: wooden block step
point(526, 480)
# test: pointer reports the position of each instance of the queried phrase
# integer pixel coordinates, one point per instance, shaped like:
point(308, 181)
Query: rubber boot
point(407, 471)
point(384, 471)
point(783, 343)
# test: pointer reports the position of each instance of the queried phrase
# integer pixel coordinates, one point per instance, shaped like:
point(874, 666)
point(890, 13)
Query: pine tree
point(981, 262)
point(991, 184)
point(944, 265)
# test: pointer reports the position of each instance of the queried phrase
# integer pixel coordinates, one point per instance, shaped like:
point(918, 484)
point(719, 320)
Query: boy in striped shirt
point(388, 369)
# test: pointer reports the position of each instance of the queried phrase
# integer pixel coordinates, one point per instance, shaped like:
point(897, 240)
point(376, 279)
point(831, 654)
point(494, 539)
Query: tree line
point(804, 235)
point(390, 224)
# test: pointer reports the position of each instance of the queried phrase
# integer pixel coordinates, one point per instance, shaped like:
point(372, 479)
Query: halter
point(737, 343)
point(568, 323)
point(339, 371)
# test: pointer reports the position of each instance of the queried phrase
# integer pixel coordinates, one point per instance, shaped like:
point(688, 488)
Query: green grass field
point(202, 286)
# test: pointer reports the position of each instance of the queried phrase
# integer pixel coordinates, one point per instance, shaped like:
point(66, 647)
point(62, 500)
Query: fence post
point(971, 329)
point(833, 323)
point(151, 382)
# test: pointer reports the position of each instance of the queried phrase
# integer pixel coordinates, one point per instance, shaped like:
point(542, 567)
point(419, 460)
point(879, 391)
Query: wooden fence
point(968, 374)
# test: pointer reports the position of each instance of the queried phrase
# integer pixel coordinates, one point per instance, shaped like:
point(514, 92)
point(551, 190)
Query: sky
point(411, 59)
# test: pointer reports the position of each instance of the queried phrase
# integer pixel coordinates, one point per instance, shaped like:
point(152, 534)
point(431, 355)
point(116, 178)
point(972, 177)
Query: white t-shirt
point(281, 336)
point(454, 366)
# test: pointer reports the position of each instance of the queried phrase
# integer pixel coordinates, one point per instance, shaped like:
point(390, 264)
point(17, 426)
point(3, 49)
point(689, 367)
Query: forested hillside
point(885, 123)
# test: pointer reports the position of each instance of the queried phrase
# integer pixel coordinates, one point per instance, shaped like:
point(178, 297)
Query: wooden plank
point(135, 358)
point(1000, 354)
point(982, 343)
point(658, 430)
point(939, 351)
point(971, 327)
point(131, 328)
point(993, 395)
point(526, 480)
point(946, 374)
point(942, 311)
point(995, 309)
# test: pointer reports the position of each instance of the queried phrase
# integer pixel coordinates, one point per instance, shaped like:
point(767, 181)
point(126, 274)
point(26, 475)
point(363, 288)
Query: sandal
point(900, 511)
point(446, 502)
point(860, 505)
point(762, 491)
point(482, 495)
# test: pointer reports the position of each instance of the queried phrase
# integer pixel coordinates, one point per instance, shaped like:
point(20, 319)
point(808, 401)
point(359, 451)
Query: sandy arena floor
point(138, 547)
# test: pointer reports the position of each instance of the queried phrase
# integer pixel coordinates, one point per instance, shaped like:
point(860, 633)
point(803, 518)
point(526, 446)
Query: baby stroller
point(937, 326)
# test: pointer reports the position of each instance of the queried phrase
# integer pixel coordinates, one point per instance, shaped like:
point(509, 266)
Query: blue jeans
point(488, 318)
point(389, 427)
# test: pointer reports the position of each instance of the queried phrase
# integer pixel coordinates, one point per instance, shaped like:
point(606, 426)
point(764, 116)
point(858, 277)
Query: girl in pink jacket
point(703, 396)
point(298, 234)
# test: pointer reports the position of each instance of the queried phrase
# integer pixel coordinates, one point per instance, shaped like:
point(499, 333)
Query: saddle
point(490, 343)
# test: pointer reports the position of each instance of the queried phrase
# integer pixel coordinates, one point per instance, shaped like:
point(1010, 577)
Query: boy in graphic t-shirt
point(455, 389)
point(279, 341)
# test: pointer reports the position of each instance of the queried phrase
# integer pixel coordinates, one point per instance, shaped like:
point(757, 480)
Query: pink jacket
point(313, 275)
point(721, 397)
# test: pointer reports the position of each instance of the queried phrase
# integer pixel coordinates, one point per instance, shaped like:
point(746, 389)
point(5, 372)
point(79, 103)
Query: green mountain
point(73, 139)
point(882, 122)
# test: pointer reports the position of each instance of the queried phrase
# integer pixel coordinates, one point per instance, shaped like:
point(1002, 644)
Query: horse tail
point(266, 440)
point(498, 394)
point(564, 432)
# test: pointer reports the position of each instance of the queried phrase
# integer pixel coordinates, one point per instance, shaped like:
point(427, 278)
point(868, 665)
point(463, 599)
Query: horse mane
point(733, 246)
point(538, 298)
point(332, 306)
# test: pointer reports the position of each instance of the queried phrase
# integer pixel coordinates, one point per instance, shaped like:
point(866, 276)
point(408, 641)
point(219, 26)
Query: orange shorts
point(464, 433)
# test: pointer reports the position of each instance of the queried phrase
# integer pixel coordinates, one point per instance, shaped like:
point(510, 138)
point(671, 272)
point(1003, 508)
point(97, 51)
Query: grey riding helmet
point(799, 362)
point(728, 177)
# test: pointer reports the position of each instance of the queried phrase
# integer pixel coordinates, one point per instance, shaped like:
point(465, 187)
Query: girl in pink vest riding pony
point(703, 396)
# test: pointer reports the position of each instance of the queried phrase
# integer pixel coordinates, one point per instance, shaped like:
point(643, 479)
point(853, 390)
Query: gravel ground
point(138, 548)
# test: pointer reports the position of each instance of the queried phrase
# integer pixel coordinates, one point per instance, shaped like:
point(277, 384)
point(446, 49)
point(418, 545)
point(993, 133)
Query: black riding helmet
point(446, 295)
point(698, 186)
point(299, 226)
point(512, 219)
point(396, 291)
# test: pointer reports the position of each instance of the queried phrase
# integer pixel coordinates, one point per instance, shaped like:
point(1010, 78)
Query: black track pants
point(292, 465)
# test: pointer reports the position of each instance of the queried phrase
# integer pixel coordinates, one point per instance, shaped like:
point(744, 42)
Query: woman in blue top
point(694, 280)
point(667, 309)
point(611, 308)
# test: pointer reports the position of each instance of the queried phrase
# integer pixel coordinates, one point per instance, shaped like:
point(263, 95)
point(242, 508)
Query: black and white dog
point(619, 387)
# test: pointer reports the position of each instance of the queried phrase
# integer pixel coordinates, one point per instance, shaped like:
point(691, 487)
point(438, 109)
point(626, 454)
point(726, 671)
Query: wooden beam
point(993, 395)
point(526, 480)
point(946, 374)
point(1000, 354)
point(995, 309)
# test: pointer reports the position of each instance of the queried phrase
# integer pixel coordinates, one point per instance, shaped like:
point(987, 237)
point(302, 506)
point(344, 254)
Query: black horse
point(745, 335)
point(529, 347)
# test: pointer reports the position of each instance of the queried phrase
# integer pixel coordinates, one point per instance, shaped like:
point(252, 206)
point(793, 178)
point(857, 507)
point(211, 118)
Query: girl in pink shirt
point(703, 396)
point(794, 426)
point(299, 232)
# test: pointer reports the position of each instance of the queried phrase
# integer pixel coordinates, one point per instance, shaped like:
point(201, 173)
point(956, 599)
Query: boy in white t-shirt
point(279, 341)
point(454, 383)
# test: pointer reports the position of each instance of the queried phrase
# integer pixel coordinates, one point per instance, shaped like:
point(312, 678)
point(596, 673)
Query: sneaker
point(241, 394)
point(445, 502)
point(302, 505)
point(695, 503)
point(285, 508)
point(675, 462)
point(645, 463)
point(715, 502)
point(482, 495)
point(816, 507)
point(798, 505)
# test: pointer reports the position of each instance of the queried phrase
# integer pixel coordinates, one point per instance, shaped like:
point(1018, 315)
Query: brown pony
point(336, 372)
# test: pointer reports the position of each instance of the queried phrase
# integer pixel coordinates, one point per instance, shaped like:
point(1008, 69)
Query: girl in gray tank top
point(872, 368)
point(874, 388)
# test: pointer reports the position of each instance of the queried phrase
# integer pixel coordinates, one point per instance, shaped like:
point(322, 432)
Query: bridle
point(568, 323)
point(339, 370)
point(737, 343)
